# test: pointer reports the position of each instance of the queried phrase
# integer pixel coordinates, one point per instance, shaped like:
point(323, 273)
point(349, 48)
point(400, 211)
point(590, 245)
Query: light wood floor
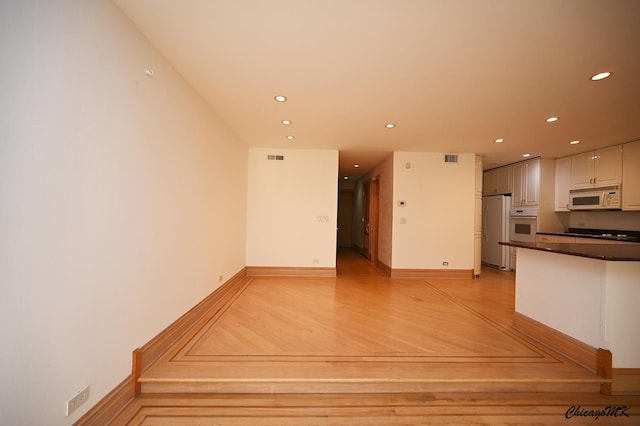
point(365, 349)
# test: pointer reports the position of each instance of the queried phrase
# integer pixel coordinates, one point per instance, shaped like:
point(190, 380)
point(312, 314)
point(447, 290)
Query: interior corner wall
point(122, 202)
point(436, 223)
point(292, 207)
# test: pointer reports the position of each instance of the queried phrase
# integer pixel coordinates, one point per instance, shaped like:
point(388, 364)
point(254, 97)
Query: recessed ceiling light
point(600, 76)
point(286, 121)
point(280, 98)
point(356, 165)
point(346, 178)
point(526, 155)
point(291, 137)
point(574, 142)
point(552, 119)
point(499, 140)
point(390, 126)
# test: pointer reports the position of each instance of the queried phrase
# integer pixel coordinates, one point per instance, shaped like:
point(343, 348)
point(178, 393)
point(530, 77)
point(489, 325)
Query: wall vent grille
point(451, 158)
point(275, 157)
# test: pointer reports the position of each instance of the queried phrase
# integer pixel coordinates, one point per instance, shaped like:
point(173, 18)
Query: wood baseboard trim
point(626, 371)
point(626, 381)
point(110, 406)
point(572, 348)
point(383, 268)
point(278, 271)
point(143, 358)
point(455, 274)
point(604, 361)
point(156, 347)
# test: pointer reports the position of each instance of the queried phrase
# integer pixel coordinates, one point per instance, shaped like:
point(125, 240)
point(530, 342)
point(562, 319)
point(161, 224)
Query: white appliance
point(523, 224)
point(523, 227)
point(495, 228)
point(603, 198)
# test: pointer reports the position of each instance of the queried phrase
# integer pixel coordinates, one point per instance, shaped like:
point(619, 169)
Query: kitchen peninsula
point(589, 292)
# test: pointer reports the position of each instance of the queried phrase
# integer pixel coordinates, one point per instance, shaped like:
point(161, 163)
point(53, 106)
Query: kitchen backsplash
point(617, 220)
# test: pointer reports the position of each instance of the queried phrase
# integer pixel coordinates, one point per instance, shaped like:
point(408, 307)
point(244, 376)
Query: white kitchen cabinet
point(631, 176)
point(545, 238)
point(505, 180)
point(526, 180)
point(562, 184)
point(584, 240)
point(490, 182)
point(497, 181)
point(597, 168)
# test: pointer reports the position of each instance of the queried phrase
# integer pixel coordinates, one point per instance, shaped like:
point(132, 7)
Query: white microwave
point(603, 198)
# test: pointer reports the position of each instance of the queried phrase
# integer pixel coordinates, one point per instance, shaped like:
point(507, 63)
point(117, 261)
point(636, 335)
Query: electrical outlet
point(80, 398)
point(220, 278)
point(445, 263)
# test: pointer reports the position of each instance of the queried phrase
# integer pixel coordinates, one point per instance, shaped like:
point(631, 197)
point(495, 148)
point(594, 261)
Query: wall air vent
point(451, 158)
point(275, 157)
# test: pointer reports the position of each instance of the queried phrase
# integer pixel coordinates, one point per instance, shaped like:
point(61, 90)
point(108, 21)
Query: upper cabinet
point(530, 184)
point(505, 180)
point(490, 182)
point(497, 181)
point(631, 176)
point(526, 180)
point(597, 168)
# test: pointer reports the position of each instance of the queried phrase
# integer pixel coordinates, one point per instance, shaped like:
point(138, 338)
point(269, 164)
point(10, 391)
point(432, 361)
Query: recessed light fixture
point(552, 119)
point(280, 98)
point(287, 122)
point(291, 137)
point(601, 76)
point(390, 126)
point(346, 178)
point(356, 165)
point(499, 140)
point(526, 155)
point(574, 142)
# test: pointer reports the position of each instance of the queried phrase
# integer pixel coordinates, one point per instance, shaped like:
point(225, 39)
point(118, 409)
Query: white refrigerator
point(495, 228)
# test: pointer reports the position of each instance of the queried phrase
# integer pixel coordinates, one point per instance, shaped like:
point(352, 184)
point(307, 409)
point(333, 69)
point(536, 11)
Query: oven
point(523, 229)
point(523, 226)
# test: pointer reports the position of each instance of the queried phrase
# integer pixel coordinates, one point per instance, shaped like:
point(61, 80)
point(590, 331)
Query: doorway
point(345, 219)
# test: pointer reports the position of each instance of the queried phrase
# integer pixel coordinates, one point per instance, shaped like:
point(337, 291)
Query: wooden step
point(369, 377)
point(377, 409)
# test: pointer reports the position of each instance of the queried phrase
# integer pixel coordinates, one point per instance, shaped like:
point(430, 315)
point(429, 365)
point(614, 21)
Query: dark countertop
point(597, 234)
point(611, 252)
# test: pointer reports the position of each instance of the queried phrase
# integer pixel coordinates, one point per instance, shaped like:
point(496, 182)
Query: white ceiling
point(453, 75)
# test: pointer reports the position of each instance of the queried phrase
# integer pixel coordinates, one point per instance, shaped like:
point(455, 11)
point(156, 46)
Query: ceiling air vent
point(451, 158)
point(275, 157)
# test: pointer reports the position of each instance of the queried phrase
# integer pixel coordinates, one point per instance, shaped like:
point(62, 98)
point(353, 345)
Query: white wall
point(292, 208)
point(122, 200)
point(439, 211)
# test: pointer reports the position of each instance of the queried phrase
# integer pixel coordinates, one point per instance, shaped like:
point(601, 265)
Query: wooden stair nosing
point(372, 387)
